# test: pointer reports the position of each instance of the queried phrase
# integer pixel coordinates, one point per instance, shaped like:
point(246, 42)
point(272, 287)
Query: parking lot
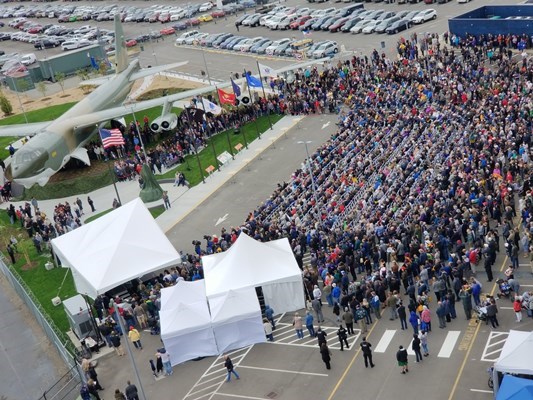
point(158, 48)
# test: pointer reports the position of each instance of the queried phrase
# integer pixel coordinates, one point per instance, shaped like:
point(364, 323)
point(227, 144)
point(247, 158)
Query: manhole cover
point(272, 395)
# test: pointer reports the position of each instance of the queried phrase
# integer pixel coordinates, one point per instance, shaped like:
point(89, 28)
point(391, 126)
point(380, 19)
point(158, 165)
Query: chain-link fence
point(64, 388)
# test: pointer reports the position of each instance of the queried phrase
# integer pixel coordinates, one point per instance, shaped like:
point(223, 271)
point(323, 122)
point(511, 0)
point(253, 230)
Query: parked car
point(221, 39)
point(350, 24)
point(280, 50)
point(205, 7)
point(218, 14)
point(28, 59)
point(399, 26)
point(383, 25)
point(131, 43)
point(261, 46)
point(46, 44)
point(338, 24)
point(196, 38)
point(167, 31)
point(371, 27)
point(205, 18)
point(184, 36)
point(286, 22)
point(327, 49)
point(270, 49)
point(299, 21)
point(425, 15)
point(360, 25)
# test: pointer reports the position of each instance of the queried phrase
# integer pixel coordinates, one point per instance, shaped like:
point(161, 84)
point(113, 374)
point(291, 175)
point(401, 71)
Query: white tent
point(248, 264)
point(236, 318)
point(120, 246)
point(515, 357)
point(186, 328)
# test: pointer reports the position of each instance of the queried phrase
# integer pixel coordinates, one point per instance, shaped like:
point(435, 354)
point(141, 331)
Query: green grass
point(155, 211)
point(220, 141)
point(42, 283)
point(71, 187)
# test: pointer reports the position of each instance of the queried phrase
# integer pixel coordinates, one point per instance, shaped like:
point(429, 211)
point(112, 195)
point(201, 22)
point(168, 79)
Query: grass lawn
point(220, 141)
point(42, 283)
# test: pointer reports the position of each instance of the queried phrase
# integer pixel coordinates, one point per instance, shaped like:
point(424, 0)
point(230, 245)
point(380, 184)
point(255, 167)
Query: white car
point(245, 45)
point(326, 49)
point(358, 28)
point(196, 38)
point(28, 59)
point(264, 19)
point(270, 49)
point(370, 27)
point(205, 7)
point(248, 20)
point(273, 22)
point(425, 15)
point(184, 36)
point(463, 1)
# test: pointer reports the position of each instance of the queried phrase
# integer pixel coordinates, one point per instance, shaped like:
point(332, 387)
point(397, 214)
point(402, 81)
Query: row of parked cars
point(128, 13)
point(352, 18)
point(286, 47)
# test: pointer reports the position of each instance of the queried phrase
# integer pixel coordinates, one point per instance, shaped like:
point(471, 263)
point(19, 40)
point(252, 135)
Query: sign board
point(224, 157)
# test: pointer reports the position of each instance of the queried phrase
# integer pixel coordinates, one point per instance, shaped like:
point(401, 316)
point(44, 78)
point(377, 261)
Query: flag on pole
point(211, 107)
point(111, 137)
point(226, 98)
point(266, 71)
point(236, 88)
point(252, 81)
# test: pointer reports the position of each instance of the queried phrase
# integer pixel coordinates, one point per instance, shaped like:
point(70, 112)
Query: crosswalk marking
point(286, 335)
point(385, 341)
point(449, 344)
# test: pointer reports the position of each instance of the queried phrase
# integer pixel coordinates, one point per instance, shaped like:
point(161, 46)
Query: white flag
point(267, 71)
point(211, 107)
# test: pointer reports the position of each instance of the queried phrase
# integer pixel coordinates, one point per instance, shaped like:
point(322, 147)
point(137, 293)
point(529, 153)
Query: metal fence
point(64, 388)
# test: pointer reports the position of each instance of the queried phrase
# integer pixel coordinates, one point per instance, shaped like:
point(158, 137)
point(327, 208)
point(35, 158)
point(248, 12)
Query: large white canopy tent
point(515, 357)
point(236, 318)
point(120, 246)
point(248, 264)
point(186, 328)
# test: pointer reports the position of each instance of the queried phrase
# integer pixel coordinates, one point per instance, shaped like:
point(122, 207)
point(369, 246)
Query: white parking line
point(284, 371)
point(482, 391)
point(494, 346)
point(385, 341)
point(449, 344)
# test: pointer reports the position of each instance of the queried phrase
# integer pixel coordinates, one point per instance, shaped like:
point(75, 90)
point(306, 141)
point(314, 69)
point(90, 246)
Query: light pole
point(305, 143)
point(206, 70)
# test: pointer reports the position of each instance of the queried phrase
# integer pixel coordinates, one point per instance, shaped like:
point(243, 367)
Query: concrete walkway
point(183, 200)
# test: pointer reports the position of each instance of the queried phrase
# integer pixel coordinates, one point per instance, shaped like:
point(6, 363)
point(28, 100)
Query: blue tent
point(513, 388)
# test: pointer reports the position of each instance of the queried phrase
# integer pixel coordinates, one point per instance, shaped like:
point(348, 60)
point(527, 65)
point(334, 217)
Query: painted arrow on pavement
point(326, 125)
point(220, 220)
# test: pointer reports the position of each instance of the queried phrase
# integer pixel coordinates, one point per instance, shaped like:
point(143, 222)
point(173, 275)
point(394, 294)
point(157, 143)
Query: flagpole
point(239, 115)
point(194, 144)
point(253, 108)
point(227, 133)
point(209, 132)
point(112, 173)
point(264, 94)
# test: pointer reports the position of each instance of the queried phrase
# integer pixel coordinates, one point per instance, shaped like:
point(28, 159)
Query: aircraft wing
point(22, 130)
point(154, 70)
point(113, 113)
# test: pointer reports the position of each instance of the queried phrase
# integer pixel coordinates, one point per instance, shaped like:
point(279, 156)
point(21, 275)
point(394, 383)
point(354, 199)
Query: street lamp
point(313, 186)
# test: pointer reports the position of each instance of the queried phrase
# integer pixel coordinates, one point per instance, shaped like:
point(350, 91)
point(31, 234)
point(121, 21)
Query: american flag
point(112, 137)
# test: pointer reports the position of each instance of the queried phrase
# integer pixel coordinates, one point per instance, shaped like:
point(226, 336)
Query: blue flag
point(236, 88)
point(253, 81)
point(94, 63)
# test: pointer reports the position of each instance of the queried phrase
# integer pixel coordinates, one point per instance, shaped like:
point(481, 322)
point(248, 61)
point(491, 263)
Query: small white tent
point(248, 264)
point(236, 318)
point(120, 246)
point(183, 292)
point(515, 357)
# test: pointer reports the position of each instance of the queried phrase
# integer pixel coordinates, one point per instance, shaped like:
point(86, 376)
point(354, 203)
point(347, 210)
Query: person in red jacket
point(517, 307)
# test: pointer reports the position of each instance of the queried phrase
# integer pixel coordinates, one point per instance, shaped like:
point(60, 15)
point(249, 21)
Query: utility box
point(79, 317)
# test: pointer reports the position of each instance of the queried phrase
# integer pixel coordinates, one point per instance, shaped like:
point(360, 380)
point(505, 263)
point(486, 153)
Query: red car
point(131, 43)
point(299, 22)
point(218, 14)
point(35, 29)
point(192, 22)
point(167, 31)
point(338, 25)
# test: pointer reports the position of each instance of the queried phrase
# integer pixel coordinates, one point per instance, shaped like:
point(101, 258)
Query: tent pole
point(130, 354)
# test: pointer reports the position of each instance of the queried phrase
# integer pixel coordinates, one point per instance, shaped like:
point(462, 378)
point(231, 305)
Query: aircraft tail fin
point(121, 52)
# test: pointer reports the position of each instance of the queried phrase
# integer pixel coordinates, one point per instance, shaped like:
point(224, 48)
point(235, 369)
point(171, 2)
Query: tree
point(41, 87)
point(60, 79)
point(83, 74)
point(103, 67)
point(5, 105)
point(23, 85)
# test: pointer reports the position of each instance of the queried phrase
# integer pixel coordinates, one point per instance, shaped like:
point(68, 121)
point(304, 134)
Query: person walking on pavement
point(321, 336)
point(135, 338)
point(317, 307)
point(115, 341)
point(347, 317)
point(492, 310)
point(326, 355)
point(392, 301)
point(401, 357)
point(424, 342)
point(267, 326)
point(517, 307)
point(416, 347)
point(309, 323)
point(269, 313)
point(343, 337)
point(91, 203)
point(231, 370)
point(298, 325)
point(366, 348)
point(441, 313)
point(131, 392)
point(402, 315)
point(413, 320)
point(465, 294)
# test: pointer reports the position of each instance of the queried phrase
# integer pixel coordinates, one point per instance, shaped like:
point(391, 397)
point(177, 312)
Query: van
point(69, 45)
